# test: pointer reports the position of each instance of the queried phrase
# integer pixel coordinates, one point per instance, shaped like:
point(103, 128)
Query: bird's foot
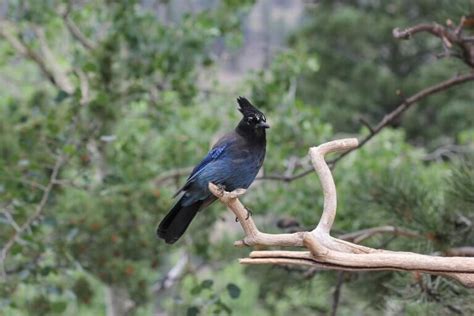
point(221, 189)
point(249, 213)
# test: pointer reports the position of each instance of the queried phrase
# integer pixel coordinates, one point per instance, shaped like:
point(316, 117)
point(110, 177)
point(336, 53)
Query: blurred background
point(105, 106)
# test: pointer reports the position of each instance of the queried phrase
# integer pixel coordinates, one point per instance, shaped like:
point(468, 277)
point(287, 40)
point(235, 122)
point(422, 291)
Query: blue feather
point(211, 155)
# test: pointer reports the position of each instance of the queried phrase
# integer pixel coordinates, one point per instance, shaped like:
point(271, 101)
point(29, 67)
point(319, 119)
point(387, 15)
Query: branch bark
point(327, 252)
point(449, 37)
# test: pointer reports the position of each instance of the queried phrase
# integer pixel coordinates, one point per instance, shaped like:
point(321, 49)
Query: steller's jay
point(232, 163)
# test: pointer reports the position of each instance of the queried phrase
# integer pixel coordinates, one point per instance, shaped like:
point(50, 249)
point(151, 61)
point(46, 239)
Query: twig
point(364, 122)
point(59, 75)
point(84, 87)
point(38, 211)
point(10, 219)
point(460, 252)
point(448, 37)
point(74, 29)
point(363, 234)
point(171, 174)
point(327, 252)
point(56, 77)
point(337, 292)
point(448, 151)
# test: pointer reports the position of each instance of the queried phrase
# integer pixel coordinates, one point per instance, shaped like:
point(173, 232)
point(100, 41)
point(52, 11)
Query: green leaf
point(234, 290)
point(192, 311)
point(313, 64)
point(69, 149)
point(61, 96)
point(89, 67)
point(196, 290)
point(59, 307)
point(45, 271)
point(207, 284)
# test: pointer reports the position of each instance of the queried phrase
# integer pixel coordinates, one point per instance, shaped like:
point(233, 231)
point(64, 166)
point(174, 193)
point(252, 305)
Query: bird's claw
point(249, 213)
point(221, 189)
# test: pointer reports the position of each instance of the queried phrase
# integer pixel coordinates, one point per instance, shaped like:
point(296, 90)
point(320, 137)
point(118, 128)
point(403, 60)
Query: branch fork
point(323, 250)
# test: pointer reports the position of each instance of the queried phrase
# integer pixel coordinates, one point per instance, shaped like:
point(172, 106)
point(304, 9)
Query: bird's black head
point(254, 122)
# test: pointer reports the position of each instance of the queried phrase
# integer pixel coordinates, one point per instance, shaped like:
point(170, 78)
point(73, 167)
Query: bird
point(232, 163)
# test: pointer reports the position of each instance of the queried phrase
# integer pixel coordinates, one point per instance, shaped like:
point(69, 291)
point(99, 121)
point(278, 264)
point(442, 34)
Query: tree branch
point(74, 29)
point(48, 58)
point(38, 211)
point(327, 252)
point(364, 234)
point(337, 293)
point(449, 37)
point(46, 63)
point(171, 174)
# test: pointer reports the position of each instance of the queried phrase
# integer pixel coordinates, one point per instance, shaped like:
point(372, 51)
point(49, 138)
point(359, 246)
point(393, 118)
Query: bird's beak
point(263, 125)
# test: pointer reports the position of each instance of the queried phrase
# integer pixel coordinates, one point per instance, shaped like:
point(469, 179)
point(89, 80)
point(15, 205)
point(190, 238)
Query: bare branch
point(448, 37)
point(364, 122)
point(327, 252)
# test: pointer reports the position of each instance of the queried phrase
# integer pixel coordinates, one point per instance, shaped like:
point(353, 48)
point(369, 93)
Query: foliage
point(353, 40)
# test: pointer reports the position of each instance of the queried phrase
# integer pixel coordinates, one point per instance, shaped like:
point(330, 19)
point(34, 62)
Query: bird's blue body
point(233, 163)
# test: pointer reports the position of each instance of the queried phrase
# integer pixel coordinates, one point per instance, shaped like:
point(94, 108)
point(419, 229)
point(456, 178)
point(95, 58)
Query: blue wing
point(211, 156)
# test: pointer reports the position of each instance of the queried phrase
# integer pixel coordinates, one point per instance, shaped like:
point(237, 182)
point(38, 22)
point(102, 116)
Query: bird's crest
point(248, 110)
